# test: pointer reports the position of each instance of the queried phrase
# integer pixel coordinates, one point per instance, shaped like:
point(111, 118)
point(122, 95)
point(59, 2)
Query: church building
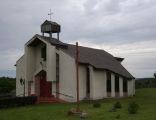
point(48, 70)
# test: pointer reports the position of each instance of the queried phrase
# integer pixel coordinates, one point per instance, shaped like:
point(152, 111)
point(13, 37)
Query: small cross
point(50, 14)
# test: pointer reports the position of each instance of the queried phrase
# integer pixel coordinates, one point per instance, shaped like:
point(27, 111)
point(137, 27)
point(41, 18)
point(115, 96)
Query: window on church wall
point(124, 85)
point(116, 83)
point(88, 81)
point(57, 67)
point(108, 75)
point(43, 53)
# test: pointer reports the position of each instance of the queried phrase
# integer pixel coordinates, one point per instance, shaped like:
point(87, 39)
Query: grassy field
point(146, 98)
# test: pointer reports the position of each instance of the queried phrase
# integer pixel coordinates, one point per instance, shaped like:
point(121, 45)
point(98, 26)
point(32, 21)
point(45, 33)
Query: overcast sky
point(125, 28)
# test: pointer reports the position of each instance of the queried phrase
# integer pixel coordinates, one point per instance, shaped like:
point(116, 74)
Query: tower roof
point(50, 27)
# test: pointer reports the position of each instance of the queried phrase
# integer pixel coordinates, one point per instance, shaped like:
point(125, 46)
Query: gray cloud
point(106, 22)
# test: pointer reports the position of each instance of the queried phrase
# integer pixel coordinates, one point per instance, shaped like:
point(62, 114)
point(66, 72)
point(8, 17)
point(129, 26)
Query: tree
point(155, 75)
point(7, 85)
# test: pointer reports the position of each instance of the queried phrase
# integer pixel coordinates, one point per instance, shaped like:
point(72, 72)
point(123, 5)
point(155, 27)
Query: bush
point(96, 105)
point(133, 108)
point(117, 105)
point(118, 116)
point(113, 109)
point(7, 85)
point(17, 101)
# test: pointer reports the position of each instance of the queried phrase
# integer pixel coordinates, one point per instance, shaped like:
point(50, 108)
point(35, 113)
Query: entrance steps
point(50, 100)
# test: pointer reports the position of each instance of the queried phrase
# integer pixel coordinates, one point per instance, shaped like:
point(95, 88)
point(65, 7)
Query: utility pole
point(77, 76)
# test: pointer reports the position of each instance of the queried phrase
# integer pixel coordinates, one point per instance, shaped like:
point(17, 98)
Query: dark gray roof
point(98, 58)
point(50, 40)
point(53, 41)
point(50, 22)
point(119, 59)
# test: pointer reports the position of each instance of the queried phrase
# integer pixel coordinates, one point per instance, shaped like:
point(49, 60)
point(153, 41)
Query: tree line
point(145, 83)
point(7, 85)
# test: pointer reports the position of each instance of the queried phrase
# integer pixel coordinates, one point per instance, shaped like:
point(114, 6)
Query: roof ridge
point(89, 47)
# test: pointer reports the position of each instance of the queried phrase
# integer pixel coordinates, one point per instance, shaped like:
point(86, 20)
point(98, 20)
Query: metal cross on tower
point(50, 14)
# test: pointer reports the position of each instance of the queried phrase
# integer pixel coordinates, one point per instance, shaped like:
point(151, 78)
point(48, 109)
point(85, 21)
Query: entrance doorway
point(45, 86)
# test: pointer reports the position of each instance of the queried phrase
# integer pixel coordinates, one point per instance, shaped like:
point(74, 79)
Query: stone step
point(49, 100)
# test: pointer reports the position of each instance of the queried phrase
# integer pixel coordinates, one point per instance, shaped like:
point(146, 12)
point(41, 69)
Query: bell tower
point(50, 27)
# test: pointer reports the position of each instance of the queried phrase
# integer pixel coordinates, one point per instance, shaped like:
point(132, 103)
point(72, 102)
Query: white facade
point(98, 85)
point(20, 74)
point(67, 77)
point(28, 66)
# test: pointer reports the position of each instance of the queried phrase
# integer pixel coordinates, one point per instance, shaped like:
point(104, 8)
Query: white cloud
point(125, 28)
point(8, 59)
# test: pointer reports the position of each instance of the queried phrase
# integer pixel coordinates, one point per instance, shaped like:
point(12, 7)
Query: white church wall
point(82, 81)
point(32, 88)
point(33, 64)
point(99, 84)
point(39, 59)
point(67, 77)
point(20, 73)
point(112, 85)
point(121, 86)
point(30, 56)
point(131, 87)
point(54, 88)
point(51, 62)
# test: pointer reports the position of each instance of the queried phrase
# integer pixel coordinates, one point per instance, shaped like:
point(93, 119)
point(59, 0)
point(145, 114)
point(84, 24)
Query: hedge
point(17, 101)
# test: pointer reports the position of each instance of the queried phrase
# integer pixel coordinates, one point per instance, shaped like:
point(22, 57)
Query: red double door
point(45, 87)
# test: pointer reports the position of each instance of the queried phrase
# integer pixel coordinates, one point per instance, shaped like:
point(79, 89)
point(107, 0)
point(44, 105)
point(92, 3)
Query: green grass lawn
point(146, 98)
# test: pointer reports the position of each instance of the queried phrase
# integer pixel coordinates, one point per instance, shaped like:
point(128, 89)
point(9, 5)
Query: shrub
point(17, 101)
point(117, 105)
point(133, 108)
point(96, 105)
point(118, 116)
point(113, 109)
